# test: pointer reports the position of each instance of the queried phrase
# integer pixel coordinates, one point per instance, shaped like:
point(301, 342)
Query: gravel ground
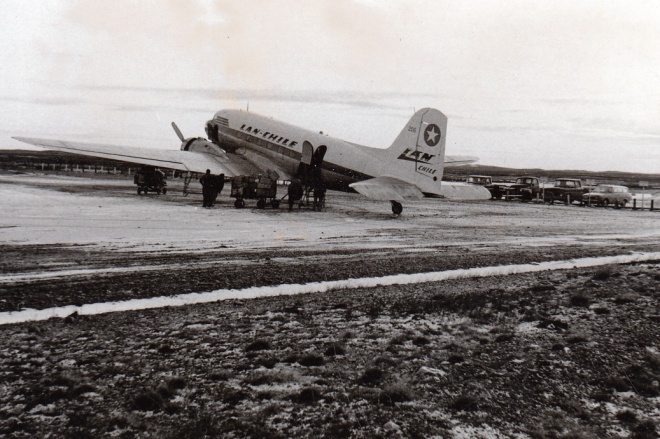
point(562, 354)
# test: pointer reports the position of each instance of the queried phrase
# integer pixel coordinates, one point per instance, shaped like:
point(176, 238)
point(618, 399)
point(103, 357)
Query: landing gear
point(397, 208)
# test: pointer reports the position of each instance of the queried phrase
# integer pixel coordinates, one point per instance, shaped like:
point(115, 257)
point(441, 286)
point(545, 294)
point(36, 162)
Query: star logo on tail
point(432, 135)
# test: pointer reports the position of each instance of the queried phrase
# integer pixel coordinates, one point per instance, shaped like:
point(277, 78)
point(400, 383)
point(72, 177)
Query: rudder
point(421, 144)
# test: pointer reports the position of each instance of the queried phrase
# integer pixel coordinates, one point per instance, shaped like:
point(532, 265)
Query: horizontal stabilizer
point(387, 189)
point(463, 191)
point(457, 160)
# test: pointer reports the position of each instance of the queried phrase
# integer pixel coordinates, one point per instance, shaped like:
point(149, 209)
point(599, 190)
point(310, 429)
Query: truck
point(565, 190)
point(524, 188)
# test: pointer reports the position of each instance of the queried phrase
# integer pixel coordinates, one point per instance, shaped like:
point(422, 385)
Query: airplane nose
point(212, 132)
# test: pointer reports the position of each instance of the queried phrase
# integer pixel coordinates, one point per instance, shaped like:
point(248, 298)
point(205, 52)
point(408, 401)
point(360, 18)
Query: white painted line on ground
point(29, 315)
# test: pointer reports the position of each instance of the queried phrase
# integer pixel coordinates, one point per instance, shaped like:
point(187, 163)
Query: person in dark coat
point(295, 192)
point(218, 184)
point(207, 188)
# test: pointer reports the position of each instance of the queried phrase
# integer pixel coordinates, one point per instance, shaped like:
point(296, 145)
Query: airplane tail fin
point(417, 154)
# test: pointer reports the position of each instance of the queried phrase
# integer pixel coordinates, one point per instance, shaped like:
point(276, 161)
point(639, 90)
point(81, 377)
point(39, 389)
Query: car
point(481, 180)
point(524, 188)
point(565, 190)
point(606, 194)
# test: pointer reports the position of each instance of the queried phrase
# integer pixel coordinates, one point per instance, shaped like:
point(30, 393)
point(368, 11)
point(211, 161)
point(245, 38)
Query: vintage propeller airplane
point(244, 143)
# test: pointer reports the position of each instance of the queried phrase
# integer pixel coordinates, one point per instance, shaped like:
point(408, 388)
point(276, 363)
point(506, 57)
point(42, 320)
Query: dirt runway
point(559, 354)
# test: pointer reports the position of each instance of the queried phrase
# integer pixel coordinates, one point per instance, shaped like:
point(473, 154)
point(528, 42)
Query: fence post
point(652, 204)
point(634, 203)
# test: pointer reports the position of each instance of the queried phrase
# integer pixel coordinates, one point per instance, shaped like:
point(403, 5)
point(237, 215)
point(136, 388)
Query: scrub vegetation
point(565, 354)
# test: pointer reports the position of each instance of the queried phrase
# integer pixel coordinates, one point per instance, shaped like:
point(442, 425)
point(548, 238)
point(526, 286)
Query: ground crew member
point(319, 197)
point(207, 188)
point(218, 184)
point(295, 192)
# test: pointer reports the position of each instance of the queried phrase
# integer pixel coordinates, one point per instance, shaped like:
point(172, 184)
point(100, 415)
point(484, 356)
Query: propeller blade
point(178, 132)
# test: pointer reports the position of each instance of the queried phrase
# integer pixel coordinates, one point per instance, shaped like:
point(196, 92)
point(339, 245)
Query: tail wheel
point(397, 208)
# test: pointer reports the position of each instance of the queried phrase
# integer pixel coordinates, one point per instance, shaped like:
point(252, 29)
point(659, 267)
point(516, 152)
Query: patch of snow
point(483, 431)
point(314, 287)
point(432, 371)
point(528, 327)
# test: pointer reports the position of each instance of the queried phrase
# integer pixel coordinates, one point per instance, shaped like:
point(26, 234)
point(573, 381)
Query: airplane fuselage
point(262, 139)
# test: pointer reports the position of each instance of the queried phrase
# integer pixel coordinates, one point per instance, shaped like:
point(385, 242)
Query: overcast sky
point(551, 84)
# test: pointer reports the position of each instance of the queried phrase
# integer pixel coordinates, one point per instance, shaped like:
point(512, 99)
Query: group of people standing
point(211, 186)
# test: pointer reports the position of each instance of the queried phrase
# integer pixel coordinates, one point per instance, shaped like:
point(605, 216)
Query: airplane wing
point(218, 163)
point(456, 160)
point(387, 189)
point(464, 191)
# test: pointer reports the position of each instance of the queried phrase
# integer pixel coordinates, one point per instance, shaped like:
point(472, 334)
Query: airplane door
point(307, 153)
point(317, 158)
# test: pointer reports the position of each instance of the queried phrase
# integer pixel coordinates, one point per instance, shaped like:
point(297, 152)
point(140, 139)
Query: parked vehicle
point(262, 188)
point(525, 189)
point(481, 180)
point(565, 190)
point(606, 194)
point(150, 179)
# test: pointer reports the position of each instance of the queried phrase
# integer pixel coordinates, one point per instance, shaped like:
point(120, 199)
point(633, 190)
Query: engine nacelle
point(199, 144)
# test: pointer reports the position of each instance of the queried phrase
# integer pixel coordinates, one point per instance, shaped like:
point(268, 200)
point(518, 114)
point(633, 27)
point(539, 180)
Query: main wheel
point(397, 208)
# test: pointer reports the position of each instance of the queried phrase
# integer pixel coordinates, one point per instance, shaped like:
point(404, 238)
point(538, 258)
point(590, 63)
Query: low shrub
point(335, 349)
point(466, 403)
point(580, 300)
point(627, 417)
point(148, 400)
point(372, 376)
point(393, 393)
point(258, 345)
point(420, 340)
point(311, 360)
point(308, 395)
point(603, 273)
